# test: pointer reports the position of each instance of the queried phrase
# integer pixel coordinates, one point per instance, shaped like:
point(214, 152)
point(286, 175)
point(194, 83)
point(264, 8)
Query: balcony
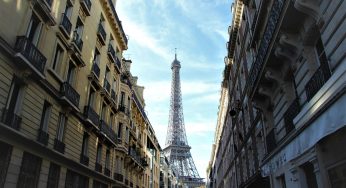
point(86, 6)
point(68, 92)
point(96, 70)
point(290, 114)
point(111, 53)
point(30, 55)
point(139, 106)
point(317, 80)
point(65, 26)
point(118, 21)
point(59, 146)
point(108, 131)
point(11, 119)
point(136, 156)
point(84, 160)
point(43, 8)
point(98, 167)
point(106, 85)
point(114, 96)
point(101, 34)
point(117, 63)
point(107, 172)
point(267, 39)
point(91, 115)
point(123, 109)
point(270, 141)
point(118, 177)
point(124, 79)
point(43, 137)
point(78, 42)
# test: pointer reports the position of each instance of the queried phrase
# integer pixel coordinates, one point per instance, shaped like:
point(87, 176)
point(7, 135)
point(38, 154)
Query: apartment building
point(72, 115)
point(168, 178)
point(285, 70)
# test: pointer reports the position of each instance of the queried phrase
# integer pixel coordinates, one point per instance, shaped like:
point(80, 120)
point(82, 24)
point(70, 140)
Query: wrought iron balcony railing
point(11, 119)
point(118, 20)
point(96, 70)
point(101, 33)
point(290, 114)
point(106, 85)
point(98, 167)
point(317, 80)
point(59, 146)
point(66, 24)
point(29, 51)
point(70, 93)
point(86, 6)
point(84, 159)
point(108, 131)
point(118, 177)
point(271, 26)
point(136, 156)
point(113, 95)
point(270, 141)
point(90, 114)
point(43, 137)
point(140, 106)
point(107, 172)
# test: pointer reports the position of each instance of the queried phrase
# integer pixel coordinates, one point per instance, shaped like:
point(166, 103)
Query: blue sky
point(198, 28)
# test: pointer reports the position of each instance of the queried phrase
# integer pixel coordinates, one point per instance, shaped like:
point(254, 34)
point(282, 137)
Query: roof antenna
point(175, 53)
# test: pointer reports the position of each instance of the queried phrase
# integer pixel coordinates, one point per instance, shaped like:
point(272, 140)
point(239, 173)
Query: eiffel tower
point(177, 149)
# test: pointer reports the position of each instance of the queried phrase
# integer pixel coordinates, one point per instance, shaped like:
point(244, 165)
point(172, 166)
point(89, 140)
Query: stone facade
point(285, 73)
point(72, 115)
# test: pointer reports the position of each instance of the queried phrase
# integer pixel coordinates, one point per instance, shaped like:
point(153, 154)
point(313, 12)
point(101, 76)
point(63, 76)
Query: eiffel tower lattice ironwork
point(177, 149)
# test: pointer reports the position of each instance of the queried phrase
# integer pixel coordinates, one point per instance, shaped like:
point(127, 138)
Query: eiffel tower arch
point(177, 150)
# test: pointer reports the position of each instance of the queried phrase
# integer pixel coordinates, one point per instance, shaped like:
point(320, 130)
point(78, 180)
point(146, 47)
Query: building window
point(97, 184)
point(120, 127)
point(97, 57)
point(122, 98)
point(68, 9)
point(74, 180)
point(99, 153)
point(34, 29)
point(45, 116)
point(58, 56)
point(79, 30)
point(61, 127)
point(111, 119)
point(53, 176)
point(128, 104)
point(337, 175)
point(29, 171)
point(309, 173)
point(13, 105)
point(91, 97)
point(127, 135)
point(104, 112)
point(85, 145)
point(107, 163)
point(5, 157)
point(71, 73)
point(282, 181)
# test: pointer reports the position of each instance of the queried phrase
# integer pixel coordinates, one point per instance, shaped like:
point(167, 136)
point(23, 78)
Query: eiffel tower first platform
point(177, 149)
